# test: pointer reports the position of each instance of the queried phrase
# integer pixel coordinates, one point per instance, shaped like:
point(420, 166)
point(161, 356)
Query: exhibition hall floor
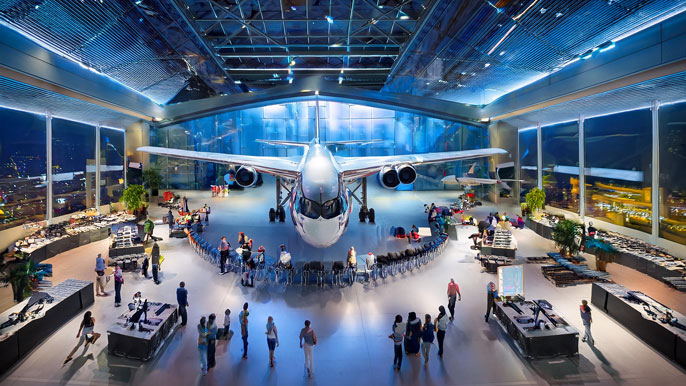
point(352, 323)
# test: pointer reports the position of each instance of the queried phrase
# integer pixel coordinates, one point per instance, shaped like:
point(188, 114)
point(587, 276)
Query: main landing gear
point(279, 213)
point(365, 213)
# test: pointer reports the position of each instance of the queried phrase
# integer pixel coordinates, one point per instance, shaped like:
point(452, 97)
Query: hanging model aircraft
point(319, 201)
point(470, 179)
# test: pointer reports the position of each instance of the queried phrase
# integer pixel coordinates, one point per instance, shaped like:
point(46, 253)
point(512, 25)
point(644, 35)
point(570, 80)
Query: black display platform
point(507, 252)
point(134, 344)
point(68, 243)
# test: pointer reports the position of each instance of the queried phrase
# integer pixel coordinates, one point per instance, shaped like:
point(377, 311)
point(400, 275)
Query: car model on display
point(319, 201)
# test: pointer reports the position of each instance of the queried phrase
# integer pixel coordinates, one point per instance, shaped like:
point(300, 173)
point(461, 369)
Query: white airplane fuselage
point(319, 203)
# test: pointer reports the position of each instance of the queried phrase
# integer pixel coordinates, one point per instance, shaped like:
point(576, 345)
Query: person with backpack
point(272, 339)
point(397, 334)
point(427, 338)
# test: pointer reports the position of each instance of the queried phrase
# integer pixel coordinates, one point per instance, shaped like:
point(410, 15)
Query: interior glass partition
point(528, 161)
point(22, 168)
point(111, 165)
point(672, 120)
point(560, 147)
point(618, 152)
point(73, 166)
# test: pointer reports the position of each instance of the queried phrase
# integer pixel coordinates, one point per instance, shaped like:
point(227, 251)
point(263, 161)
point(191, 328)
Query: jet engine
point(388, 177)
point(406, 174)
point(246, 177)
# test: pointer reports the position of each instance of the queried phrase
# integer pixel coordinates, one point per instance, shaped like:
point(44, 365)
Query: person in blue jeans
point(243, 318)
point(427, 338)
point(272, 339)
point(118, 281)
point(491, 295)
point(202, 344)
point(397, 334)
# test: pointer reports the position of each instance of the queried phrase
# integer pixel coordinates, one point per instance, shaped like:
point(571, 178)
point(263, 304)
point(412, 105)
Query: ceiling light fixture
point(293, 62)
point(525, 10)
point(587, 54)
point(237, 82)
point(606, 46)
point(486, 65)
point(502, 39)
point(290, 80)
point(501, 53)
point(336, 45)
point(329, 19)
point(340, 79)
point(404, 17)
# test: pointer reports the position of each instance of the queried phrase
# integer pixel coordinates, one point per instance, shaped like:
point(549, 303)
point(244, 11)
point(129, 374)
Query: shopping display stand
point(124, 341)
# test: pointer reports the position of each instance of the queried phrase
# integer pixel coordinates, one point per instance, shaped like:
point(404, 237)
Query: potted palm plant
point(603, 251)
point(133, 198)
point(565, 235)
point(17, 274)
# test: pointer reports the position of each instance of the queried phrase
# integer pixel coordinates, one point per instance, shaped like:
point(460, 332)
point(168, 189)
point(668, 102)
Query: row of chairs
point(335, 273)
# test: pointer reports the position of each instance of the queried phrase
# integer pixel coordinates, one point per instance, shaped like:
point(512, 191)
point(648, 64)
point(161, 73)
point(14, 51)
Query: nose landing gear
point(279, 213)
point(365, 213)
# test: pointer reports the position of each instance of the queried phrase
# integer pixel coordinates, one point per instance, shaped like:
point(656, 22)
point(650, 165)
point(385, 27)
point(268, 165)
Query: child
point(227, 324)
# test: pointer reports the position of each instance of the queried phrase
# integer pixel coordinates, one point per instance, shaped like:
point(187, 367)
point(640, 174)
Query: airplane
point(469, 179)
point(319, 201)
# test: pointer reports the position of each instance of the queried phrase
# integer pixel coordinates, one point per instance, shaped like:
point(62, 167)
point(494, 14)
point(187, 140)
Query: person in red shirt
point(453, 293)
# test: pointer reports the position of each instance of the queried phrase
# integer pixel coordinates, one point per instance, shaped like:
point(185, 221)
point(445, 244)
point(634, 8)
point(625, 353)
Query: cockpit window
point(332, 208)
point(309, 208)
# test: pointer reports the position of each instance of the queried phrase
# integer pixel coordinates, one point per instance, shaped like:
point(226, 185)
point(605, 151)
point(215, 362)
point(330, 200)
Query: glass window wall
point(111, 165)
point(560, 146)
point(528, 161)
point(73, 166)
point(672, 120)
point(22, 168)
point(618, 152)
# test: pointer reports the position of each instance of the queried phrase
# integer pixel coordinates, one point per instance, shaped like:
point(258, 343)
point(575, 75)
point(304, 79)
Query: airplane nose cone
point(321, 233)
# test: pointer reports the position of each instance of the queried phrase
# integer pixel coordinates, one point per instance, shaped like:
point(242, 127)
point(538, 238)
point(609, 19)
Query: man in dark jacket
point(155, 257)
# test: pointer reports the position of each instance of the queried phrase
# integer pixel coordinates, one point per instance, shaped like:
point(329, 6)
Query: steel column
point(97, 167)
point(655, 171)
point(539, 156)
point(582, 170)
point(48, 162)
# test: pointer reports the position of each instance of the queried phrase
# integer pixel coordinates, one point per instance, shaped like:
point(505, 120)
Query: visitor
point(371, 263)
point(260, 259)
point(397, 336)
point(211, 340)
point(427, 338)
point(453, 293)
point(352, 264)
point(86, 335)
point(170, 220)
point(441, 324)
point(587, 320)
point(202, 344)
point(307, 334)
point(412, 334)
point(242, 238)
point(272, 339)
point(243, 318)
point(182, 299)
point(207, 214)
point(155, 257)
point(118, 281)
point(475, 238)
point(251, 271)
point(285, 264)
point(137, 300)
point(491, 295)
point(497, 218)
point(185, 204)
point(148, 227)
point(145, 265)
point(100, 279)
point(228, 334)
point(223, 248)
point(591, 230)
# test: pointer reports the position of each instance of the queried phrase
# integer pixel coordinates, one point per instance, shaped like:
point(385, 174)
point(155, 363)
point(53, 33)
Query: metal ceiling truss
point(270, 42)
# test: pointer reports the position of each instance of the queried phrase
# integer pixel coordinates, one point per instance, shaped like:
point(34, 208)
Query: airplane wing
point(453, 180)
point(276, 166)
point(357, 167)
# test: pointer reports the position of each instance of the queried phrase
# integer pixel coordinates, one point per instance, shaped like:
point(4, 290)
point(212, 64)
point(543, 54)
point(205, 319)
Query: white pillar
point(539, 155)
point(582, 170)
point(48, 162)
point(655, 171)
point(97, 167)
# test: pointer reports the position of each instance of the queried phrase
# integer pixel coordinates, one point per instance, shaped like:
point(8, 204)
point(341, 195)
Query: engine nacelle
point(246, 177)
point(388, 177)
point(406, 174)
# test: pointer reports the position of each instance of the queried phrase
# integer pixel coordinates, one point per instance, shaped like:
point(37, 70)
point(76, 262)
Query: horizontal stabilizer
point(355, 142)
point(276, 142)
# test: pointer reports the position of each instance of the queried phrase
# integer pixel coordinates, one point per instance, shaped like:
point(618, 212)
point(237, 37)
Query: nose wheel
point(365, 213)
point(279, 213)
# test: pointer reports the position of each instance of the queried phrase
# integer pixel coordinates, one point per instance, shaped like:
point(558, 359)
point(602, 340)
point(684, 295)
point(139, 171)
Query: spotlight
point(292, 62)
point(329, 19)
point(487, 65)
point(340, 79)
point(404, 17)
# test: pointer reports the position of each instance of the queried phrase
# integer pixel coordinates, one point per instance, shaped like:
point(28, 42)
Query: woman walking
point(307, 334)
point(397, 336)
point(202, 344)
point(412, 334)
point(272, 339)
point(427, 338)
point(118, 281)
point(441, 326)
point(85, 335)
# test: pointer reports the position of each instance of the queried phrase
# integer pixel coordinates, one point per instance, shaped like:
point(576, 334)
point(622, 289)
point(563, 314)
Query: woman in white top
point(441, 324)
point(85, 334)
point(272, 339)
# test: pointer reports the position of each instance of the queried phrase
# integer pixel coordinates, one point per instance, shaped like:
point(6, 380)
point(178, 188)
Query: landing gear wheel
point(363, 214)
point(281, 213)
point(371, 216)
point(272, 215)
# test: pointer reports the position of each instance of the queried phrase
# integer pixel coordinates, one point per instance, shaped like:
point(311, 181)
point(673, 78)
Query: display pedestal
point(142, 345)
point(560, 340)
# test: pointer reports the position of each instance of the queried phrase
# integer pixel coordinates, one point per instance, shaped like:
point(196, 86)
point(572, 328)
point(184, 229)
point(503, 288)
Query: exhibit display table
point(142, 345)
point(644, 317)
point(557, 339)
point(61, 303)
point(504, 244)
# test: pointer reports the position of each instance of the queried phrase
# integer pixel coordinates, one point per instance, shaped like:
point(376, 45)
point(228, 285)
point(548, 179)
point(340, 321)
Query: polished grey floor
point(352, 323)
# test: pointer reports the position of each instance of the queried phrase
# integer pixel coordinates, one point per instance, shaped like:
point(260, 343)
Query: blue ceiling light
point(606, 46)
point(329, 19)
point(587, 54)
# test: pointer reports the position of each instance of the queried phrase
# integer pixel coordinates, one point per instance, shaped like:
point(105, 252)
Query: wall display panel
point(22, 168)
point(237, 132)
point(528, 161)
point(618, 152)
point(73, 166)
point(560, 147)
point(111, 165)
point(672, 206)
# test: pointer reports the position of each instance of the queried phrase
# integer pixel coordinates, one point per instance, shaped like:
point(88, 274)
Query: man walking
point(182, 299)
point(148, 228)
point(170, 220)
point(491, 295)
point(155, 256)
point(100, 279)
point(243, 317)
point(307, 334)
point(587, 320)
point(223, 248)
point(453, 293)
point(211, 340)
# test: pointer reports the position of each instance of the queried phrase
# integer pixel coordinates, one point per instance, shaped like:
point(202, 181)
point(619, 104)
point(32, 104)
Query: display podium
point(124, 341)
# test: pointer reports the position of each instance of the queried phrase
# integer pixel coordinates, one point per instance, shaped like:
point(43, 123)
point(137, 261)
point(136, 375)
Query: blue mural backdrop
point(237, 132)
